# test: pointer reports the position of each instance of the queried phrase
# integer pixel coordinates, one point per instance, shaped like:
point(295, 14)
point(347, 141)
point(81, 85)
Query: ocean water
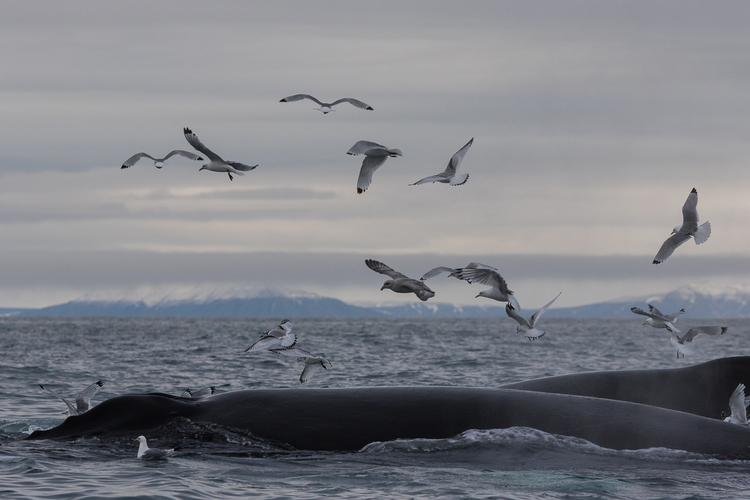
point(170, 354)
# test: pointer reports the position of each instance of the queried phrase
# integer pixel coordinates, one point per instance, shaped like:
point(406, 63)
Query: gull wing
point(83, 400)
point(511, 312)
point(361, 146)
point(436, 271)
point(206, 391)
point(240, 166)
point(654, 310)
point(737, 405)
point(669, 246)
point(456, 160)
point(269, 342)
point(485, 276)
point(134, 159)
point(535, 317)
point(299, 97)
point(71, 409)
point(182, 152)
point(284, 327)
point(681, 348)
point(369, 165)
point(310, 369)
point(674, 316)
point(381, 268)
point(155, 454)
point(690, 213)
point(638, 310)
point(708, 330)
point(353, 102)
point(198, 145)
point(432, 178)
point(295, 352)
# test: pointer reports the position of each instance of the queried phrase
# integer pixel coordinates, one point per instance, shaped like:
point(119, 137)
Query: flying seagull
point(400, 283)
point(160, 162)
point(326, 107)
point(738, 406)
point(682, 344)
point(375, 156)
point(146, 453)
point(689, 227)
point(659, 320)
point(206, 391)
point(281, 336)
point(83, 399)
point(449, 176)
point(217, 164)
point(528, 326)
point(453, 272)
point(486, 275)
point(312, 362)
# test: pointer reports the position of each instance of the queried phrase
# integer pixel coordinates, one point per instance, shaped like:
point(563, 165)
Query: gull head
point(649, 321)
point(159, 164)
point(676, 229)
point(324, 109)
point(387, 284)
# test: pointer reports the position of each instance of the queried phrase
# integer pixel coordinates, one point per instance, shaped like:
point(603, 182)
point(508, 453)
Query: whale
point(703, 389)
point(347, 419)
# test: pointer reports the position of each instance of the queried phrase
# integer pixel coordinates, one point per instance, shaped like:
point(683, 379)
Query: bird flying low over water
point(281, 336)
point(200, 393)
point(659, 320)
point(326, 107)
point(682, 344)
point(160, 162)
point(689, 227)
point(449, 175)
point(738, 406)
point(486, 275)
point(312, 361)
point(400, 283)
point(375, 156)
point(146, 453)
point(83, 399)
point(216, 163)
point(528, 326)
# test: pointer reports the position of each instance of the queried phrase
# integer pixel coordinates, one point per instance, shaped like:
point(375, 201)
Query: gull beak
point(644, 324)
point(382, 288)
point(198, 171)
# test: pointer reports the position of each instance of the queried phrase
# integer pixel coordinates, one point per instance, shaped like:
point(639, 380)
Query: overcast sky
point(592, 121)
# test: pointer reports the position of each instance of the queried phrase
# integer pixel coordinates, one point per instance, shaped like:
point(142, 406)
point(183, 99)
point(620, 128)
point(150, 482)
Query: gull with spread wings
point(160, 162)
point(281, 336)
point(217, 164)
point(449, 175)
point(659, 320)
point(400, 283)
point(528, 326)
point(688, 228)
point(326, 107)
point(375, 156)
point(682, 344)
point(83, 399)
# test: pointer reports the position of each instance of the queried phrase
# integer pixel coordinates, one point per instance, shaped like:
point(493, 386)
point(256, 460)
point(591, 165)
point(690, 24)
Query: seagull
point(527, 327)
point(659, 320)
point(325, 107)
point(448, 176)
point(375, 156)
point(83, 400)
point(689, 227)
point(738, 406)
point(453, 272)
point(486, 275)
point(399, 282)
point(160, 162)
point(281, 336)
point(217, 164)
point(312, 362)
point(681, 343)
point(206, 391)
point(146, 453)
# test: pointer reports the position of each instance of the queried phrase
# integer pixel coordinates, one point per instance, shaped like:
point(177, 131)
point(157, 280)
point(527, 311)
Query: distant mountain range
point(729, 303)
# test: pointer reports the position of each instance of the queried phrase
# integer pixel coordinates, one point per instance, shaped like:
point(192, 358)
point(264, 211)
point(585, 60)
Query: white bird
point(217, 164)
point(682, 344)
point(160, 162)
point(487, 275)
point(659, 320)
point(689, 227)
point(449, 176)
point(146, 453)
point(83, 399)
point(326, 107)
point(375, 156)
point(400, 283)
point(528, 327)
point(206, 391)
point(312, 362)
point(281, 336)
point(738, 406)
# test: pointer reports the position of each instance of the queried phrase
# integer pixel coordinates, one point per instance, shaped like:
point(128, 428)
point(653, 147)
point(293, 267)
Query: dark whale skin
point(702, 389)
point(348, 419)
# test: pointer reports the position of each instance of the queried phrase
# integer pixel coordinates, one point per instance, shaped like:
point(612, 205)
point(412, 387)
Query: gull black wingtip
point(360, 191)
point(369, 108)
point(656, 262)
point(124, 166)
point(694, 191)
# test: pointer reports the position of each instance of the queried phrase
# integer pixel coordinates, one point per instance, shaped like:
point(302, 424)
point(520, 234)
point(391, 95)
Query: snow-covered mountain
point(699, 302)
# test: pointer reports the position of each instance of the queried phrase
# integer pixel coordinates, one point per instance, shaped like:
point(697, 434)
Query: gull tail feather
point(703, 232)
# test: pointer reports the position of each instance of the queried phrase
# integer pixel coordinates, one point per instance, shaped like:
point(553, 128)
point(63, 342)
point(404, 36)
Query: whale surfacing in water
point(348, 419)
